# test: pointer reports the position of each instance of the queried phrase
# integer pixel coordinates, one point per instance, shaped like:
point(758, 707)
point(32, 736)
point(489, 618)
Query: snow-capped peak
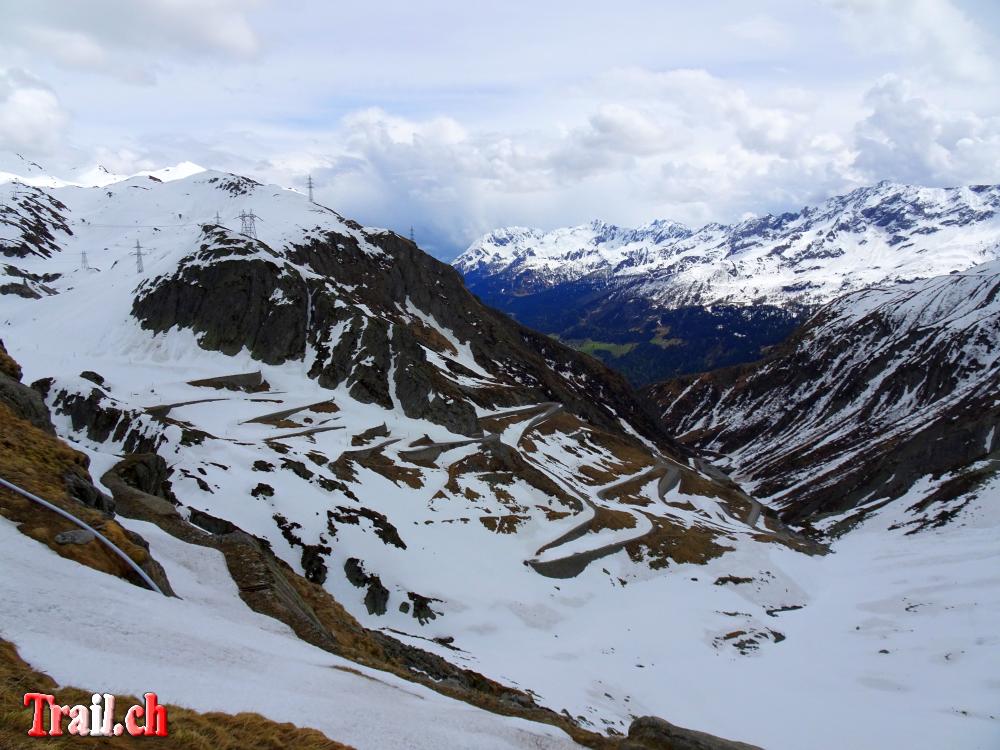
point(883, 232)
point(15, 168)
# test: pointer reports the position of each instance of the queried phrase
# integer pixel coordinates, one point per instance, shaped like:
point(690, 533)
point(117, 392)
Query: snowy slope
point(446, 474)
point(15, 168)
point(878, 389)
point(881, 233)
point(205, 649)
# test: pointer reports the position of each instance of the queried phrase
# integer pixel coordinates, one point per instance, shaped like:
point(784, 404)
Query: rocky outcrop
point(652, 733)
point(33, 458)
point(26, 403)
point(366, 314)
point(100, 419)
point(248, 382)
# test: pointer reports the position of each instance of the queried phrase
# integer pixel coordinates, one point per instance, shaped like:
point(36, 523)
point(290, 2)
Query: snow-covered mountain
point(887, 232)
point(16, 168)
point(459, 483)
point(664, 300)
point(882, 390)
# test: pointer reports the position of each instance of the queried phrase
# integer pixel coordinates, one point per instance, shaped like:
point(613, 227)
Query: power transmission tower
point(411, 235)
point(310, 183)
point(138, 256)
point(247, 225)
point(83, 261)
point(218, 219)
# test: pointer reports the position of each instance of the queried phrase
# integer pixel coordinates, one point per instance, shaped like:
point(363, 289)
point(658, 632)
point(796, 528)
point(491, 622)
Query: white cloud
point(682, 144)
point(907, 139)
point(762, 30)
point(31, 118)
point(458, 117)
point(936, 35)
point(130, 40)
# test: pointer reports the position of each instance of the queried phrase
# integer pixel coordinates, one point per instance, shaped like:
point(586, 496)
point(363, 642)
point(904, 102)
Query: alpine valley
point(664, 300)
point(388, 512)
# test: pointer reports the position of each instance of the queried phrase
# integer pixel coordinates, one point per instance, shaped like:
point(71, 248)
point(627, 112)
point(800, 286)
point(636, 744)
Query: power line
point(138, 256)
point(247, 225)
point(142, 226)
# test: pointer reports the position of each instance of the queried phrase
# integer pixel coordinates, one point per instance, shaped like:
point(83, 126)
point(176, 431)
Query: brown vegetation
point(189, 729)
point(41, 464)
point(669, 541)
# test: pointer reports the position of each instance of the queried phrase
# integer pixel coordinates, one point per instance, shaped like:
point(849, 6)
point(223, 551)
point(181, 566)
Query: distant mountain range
point(663, 299)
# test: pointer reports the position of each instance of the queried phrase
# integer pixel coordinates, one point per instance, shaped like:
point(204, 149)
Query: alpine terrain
point(383, 510)
point(664, 300)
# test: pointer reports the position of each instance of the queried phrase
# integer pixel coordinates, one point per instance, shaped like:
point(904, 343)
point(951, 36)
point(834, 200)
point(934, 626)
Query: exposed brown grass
point(502, 422)
point(693, 483)
point(39, 462)
point(189, 730)
point(502, 468)
point(382, 464)
point(553, 515)
point(631, 493)
point(506, 524)
point(325, 407)
point(615, 520)
point(7, 364)
point(668, 541)
point(369, 435)
point(613, 455)
point(430, 337)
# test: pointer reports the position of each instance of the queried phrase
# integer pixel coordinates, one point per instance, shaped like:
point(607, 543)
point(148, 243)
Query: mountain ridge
point(664, 300)
point(879, 389)
point(653, 259)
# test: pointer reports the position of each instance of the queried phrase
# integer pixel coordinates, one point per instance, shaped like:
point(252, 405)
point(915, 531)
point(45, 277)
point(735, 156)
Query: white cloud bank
point(458, 121)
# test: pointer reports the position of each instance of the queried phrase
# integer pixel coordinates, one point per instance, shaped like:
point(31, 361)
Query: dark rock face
point(652, 733)
point(314, 562)
point(876, 391)
point(211, 524)
point(93, 377)
point(248, 382)
point(422, 611)
point(224, 298)
point(97, 416)
point(35, 216)
point(147, 472)
point(80, 488)
point(25, 402)
point(360, 318)
point(377, 595)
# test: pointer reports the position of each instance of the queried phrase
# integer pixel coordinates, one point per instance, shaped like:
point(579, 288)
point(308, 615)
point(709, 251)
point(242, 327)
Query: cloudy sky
point(457, 117)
